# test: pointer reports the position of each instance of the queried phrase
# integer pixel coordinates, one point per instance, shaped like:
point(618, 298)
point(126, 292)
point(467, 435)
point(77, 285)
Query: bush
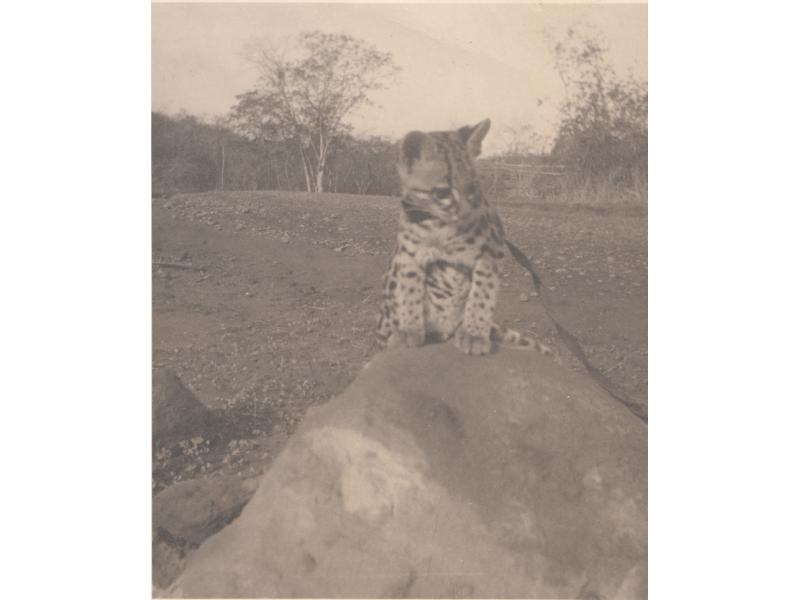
point(189, 155)
point(603, 130)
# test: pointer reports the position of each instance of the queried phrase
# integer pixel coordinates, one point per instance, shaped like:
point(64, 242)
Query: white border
point(724, 325)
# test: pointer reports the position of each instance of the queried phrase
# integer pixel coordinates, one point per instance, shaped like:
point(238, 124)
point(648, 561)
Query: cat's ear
point(411, 148)
point(419, 164)
point(473, 136)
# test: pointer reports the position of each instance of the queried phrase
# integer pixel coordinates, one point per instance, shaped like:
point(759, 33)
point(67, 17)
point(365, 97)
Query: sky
point(460, 63)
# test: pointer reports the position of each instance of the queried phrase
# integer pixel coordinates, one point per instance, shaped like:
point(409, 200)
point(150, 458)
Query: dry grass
point(600, 191)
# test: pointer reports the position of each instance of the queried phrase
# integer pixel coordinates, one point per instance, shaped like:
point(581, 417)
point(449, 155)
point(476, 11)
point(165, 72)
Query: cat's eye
point(441, 193)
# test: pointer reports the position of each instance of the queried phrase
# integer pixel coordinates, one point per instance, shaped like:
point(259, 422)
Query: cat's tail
point(514, 339)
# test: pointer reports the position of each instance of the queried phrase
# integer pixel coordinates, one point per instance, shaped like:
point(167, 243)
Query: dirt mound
point(442, 475)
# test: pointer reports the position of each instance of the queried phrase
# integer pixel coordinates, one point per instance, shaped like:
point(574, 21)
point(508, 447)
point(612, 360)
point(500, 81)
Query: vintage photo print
point(399, 300)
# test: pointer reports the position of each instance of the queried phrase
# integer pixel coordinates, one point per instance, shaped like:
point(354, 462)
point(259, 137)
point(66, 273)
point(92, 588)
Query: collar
point(414, 214)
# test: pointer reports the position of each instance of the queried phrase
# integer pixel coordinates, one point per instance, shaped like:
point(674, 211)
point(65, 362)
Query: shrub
point(603, 129)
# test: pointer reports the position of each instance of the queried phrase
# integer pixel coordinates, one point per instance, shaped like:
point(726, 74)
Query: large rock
point(438, 474)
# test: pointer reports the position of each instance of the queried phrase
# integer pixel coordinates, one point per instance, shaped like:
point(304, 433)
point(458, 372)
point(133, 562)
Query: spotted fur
point(443, 279)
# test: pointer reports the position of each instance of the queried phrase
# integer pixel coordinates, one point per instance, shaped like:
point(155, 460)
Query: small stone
point(196, 508)
point(168, 562)
point(176, 410)
point(523, 297)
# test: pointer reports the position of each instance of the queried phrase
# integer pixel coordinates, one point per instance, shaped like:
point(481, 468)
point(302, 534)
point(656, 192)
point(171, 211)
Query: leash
point(637, 408)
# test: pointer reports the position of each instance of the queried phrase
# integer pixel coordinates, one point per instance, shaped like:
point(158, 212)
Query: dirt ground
point(264, 303)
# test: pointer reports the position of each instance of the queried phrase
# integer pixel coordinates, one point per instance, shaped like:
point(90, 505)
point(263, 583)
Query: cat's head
point(437, 171)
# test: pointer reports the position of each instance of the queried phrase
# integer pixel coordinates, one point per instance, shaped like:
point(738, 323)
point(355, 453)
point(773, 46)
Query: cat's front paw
point(406, 339)
point(472, 344)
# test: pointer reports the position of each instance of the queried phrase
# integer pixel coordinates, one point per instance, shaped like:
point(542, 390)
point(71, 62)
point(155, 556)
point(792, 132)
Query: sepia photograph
point(399, 300)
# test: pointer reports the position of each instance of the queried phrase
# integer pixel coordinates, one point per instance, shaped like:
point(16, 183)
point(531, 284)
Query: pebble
point(523, 297)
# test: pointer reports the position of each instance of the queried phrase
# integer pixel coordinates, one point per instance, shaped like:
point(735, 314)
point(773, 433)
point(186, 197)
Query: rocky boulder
point(194, 509)
point(438, 474)
point(176, 410)
point(187, 513)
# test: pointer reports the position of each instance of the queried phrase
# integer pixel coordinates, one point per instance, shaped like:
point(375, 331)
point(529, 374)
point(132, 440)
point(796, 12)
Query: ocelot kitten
point(443, 279)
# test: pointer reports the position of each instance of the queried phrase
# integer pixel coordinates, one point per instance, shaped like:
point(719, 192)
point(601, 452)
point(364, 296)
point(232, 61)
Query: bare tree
point(220, 128)
point(305, 92)
point(523, 139)
point(603, 125)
